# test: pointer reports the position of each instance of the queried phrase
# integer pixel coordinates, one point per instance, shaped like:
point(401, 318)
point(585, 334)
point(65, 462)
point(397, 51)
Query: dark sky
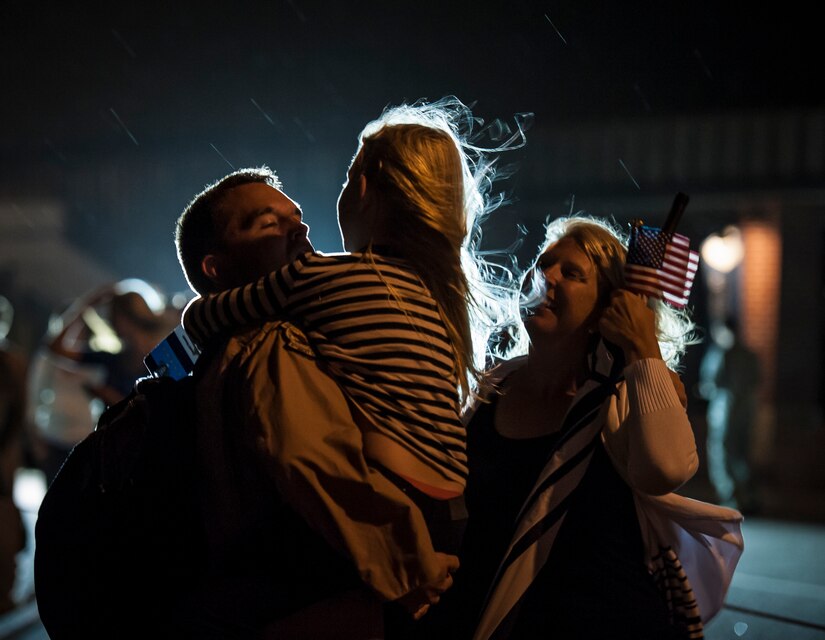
point(180, 68)
point(243, 83)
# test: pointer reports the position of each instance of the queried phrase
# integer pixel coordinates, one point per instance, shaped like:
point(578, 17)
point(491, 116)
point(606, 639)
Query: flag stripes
point(660, 265)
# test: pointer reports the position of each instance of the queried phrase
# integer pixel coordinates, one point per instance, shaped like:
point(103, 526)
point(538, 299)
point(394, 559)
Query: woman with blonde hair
point(574, 531)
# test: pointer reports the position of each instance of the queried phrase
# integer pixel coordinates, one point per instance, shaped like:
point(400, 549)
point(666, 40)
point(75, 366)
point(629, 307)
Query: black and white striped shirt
point(380, 333)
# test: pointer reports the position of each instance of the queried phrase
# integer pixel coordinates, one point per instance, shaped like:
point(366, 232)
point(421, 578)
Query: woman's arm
point(72, 320)
point(270, 297)
point(660, 447)
point(661, 450)
point(265, 299)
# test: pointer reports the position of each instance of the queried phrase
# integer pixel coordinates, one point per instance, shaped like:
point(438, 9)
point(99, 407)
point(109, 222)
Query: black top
point(594, 584)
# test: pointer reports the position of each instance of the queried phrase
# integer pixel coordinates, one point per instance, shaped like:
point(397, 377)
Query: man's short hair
point(196, 232)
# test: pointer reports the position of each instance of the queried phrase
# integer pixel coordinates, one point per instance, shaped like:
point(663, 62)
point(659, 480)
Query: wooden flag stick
point(679, 203)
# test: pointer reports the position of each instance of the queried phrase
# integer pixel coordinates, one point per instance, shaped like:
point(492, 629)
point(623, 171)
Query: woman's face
point(570, 305)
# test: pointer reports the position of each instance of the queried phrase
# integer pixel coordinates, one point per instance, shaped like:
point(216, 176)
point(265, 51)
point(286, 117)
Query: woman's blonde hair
point(606, 246)
point(434, 183)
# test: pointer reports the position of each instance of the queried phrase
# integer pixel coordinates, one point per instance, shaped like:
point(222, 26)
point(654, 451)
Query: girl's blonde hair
point(434, 183)
point(606, 245)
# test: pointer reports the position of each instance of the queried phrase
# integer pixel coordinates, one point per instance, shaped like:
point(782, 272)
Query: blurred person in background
point(92, 361)
point(730, 378)
point(12, 419)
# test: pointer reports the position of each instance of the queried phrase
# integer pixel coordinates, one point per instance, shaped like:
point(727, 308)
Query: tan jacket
point(266, 403)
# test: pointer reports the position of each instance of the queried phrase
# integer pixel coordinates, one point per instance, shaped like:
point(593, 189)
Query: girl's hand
point(417, 602)
point(630, 324)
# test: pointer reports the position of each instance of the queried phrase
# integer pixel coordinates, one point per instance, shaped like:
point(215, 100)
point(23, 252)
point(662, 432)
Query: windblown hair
point(433, 185)
point(606, 246)
point(197, 233)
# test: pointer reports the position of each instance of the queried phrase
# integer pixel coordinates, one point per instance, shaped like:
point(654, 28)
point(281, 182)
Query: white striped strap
point(544, 510)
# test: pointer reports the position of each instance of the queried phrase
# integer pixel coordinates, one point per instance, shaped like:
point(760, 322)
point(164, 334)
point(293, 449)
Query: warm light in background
point(743, 274)
point(761, 276)
point(723, 251)
point(721, 254)
point(760, 282)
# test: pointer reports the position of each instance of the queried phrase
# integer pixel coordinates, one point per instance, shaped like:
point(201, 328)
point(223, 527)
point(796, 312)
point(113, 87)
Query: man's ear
point(362, 185)
point(212, 266)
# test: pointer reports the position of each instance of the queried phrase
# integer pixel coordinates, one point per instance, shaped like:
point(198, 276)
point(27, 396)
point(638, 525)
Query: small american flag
point(660, 265)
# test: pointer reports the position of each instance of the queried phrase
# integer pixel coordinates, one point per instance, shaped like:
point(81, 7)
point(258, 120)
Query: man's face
point(262, 231)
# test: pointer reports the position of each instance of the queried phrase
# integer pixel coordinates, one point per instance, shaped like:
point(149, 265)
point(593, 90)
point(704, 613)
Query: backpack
point(119, 535)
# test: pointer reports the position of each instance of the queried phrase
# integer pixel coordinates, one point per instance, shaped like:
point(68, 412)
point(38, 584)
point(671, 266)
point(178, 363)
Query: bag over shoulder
point(118, 535)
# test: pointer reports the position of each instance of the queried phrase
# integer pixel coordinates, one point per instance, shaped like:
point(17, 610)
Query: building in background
point(755, 180)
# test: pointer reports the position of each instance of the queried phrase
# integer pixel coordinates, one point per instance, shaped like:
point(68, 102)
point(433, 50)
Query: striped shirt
point(379, 331)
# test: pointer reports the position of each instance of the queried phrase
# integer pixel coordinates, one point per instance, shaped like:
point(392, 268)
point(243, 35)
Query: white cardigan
point(691, 547)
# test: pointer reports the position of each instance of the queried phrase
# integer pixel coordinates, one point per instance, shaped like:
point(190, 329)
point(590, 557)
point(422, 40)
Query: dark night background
point(123, 111)
point(113, 115)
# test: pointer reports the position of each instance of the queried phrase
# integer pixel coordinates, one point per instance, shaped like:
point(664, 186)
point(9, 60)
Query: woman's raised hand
point(630, 324)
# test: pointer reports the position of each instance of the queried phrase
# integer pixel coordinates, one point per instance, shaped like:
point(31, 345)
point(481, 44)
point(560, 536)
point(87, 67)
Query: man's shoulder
point(254, 353)
point(259, 341)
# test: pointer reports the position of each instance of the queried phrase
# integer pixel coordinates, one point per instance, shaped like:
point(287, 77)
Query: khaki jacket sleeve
point(312, 448)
